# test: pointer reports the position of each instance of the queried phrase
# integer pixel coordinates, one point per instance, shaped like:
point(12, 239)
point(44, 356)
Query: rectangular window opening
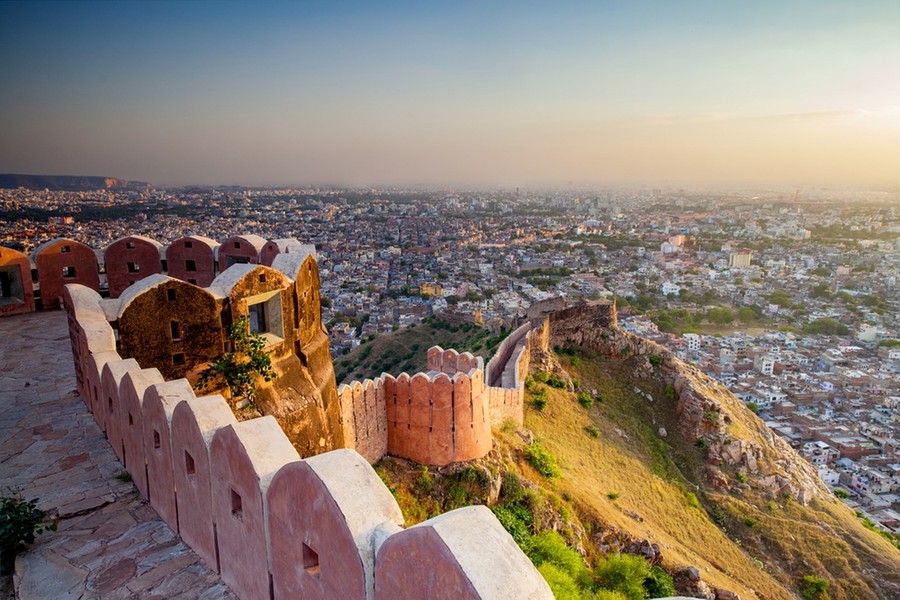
point(157, 443)
point(163, 265)
point(68, 271)
point(237, 510)
point(192, 281)
point(237, 244)
point(262, 278)
point(65, 249)
point(189, 466)
point(190, 265)
point(134, 267)
point(175, 329)
point(188, 244)
point(129, 245)
point(178, 358)
point(170, 295)
point(310, 560)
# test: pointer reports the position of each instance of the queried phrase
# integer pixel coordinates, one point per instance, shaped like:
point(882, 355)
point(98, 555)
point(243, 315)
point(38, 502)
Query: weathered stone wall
point(130, 260)
point(275, 525)
point(170, 325)
point(443, 415)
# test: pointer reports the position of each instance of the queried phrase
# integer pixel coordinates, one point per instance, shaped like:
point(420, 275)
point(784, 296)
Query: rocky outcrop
point(707, 414)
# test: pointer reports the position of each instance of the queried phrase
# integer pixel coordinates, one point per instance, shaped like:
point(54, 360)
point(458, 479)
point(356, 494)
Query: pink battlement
point(194, 425)
point(325, 513)
point(444, 414)
point(110, 408)
point(244, 459)
point(160, 401)
point(131, 402)
point(276, 526)
point(443, 558)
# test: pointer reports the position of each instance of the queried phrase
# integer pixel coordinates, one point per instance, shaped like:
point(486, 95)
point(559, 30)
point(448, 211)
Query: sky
point(477, 93)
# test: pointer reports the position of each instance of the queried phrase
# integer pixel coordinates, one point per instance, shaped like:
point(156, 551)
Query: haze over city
point(406, 93)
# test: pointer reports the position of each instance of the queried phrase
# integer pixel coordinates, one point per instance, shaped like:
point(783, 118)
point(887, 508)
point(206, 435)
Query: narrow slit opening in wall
point(110, 404)
point(130, 420)
point(170, 295)
point(189, 466)
point(156, 441)
point(237, 509)
point(175, 329)
point(310, 561)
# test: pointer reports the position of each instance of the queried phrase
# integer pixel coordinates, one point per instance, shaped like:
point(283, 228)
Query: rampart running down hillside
point(443, 415)
point(275, 525)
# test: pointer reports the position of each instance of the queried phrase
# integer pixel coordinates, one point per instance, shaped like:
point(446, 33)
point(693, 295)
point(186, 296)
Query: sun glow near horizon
point(402, 93)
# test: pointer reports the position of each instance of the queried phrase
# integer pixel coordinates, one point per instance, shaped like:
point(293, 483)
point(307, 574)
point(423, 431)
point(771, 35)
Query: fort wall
point(445, 414)
point(275, 525)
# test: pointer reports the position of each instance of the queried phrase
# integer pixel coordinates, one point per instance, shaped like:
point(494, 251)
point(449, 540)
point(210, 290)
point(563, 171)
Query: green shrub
point(623, 573)
point(751, 522)
point(754, 407)
point(655, 360)
point(561, 583)
point(607, 595)
point(741, 477)
point(613, 495)
point(576, 361)
point(20, 521)
point(670, 392)
point(659, 584)
point(424, 482)
point(542, 460)
point(592, 431)
point(700, 443)
point(541, 376)
point(516, 520)
point(814, 588)
point(841, 493)
point(692, 500)
point(711, 416)
point(511, 490)
point(550, 547)
point(585, 399)
point(539, 398)
point(555, 381)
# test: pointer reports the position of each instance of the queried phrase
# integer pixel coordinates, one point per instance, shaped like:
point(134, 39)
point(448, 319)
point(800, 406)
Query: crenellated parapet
point(276, 525)
point(444, 414)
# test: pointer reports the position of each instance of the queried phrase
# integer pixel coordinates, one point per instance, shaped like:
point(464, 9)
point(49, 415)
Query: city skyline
point(506, 94)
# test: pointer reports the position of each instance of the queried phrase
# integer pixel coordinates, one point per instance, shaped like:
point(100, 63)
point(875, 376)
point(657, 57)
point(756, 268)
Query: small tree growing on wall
point(240, 369)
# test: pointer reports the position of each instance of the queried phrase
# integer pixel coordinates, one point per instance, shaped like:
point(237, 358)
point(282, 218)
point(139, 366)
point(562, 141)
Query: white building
point(670, 288)
point(740, 259)
point(765, 364)
point(693, 341)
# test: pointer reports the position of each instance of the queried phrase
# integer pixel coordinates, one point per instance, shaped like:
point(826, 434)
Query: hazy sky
point(511, 93)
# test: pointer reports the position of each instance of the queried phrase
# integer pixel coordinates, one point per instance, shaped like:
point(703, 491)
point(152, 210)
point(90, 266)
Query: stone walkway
point(110, 543)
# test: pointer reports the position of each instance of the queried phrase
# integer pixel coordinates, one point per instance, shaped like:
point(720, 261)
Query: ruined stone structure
point(443, 415)
point(272, 524)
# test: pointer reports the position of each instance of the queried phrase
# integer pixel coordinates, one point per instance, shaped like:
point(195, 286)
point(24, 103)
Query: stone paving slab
point(110, 543)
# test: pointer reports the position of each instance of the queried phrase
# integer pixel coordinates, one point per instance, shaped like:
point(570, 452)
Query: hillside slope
point(404, 350)
point(656, 459)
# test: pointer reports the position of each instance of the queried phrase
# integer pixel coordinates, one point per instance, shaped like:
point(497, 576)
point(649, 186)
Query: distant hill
point(72, 183)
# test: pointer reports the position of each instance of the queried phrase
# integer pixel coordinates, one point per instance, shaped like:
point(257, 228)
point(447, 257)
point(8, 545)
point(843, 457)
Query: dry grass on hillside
point(762, 540)
point(631, 460)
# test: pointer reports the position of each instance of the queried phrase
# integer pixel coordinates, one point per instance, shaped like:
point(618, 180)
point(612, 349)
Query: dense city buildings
point(790, 299)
